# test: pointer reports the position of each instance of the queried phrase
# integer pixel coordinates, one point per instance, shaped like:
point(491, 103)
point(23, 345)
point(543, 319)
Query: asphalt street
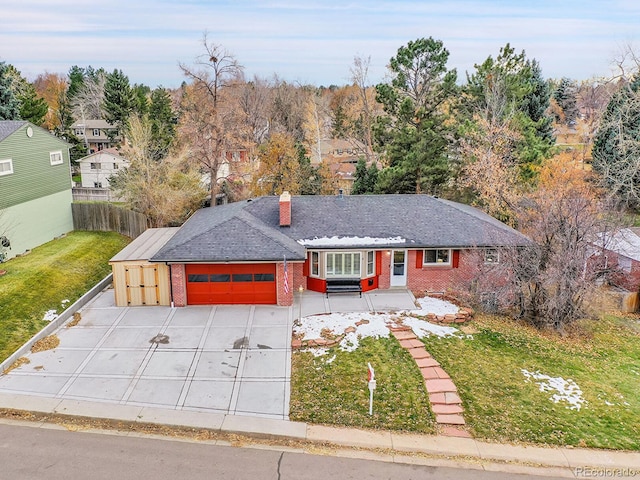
point(27, 452)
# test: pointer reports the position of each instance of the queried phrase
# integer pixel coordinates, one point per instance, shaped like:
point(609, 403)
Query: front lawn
point(56, 273)
point(517, 384)
point(332, 388)
point(601, 358)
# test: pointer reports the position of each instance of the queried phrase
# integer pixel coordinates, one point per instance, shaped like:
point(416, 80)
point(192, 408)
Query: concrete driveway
point(224, 359)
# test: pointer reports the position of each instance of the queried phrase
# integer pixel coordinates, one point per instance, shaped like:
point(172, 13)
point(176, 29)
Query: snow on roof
point(349, 241)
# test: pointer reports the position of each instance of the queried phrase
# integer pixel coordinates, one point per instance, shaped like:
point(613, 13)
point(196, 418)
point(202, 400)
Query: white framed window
point(437, 256)
point(343, 264)
point(55, 158)
point(116, 166)
point(315, 264)
point(79, 132)
point(491, 255)
point(96, 132)
point(6, 167)
point(371, 263)
point(97, 184)
point(95, 166)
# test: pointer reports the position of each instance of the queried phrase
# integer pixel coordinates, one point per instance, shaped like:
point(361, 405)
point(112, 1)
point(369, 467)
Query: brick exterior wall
point(440, 278)
point(296, 279)
point(627, 280)
point(178, 285)
point(383, 268)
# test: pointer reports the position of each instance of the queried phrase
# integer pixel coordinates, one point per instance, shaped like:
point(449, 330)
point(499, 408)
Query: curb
point(376, 444)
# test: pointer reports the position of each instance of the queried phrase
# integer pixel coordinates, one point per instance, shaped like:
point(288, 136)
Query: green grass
point(336, 393)
point(602, 357)
point(62, 269)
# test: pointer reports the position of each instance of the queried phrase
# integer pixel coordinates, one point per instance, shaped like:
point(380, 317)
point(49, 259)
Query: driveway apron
point(232, 359)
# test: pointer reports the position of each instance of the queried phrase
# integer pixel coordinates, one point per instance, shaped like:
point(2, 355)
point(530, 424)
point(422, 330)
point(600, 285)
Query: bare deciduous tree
point(209, 123)
point(164, 190)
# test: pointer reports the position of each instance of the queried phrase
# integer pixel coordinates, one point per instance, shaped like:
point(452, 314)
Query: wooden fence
point(106, 217)
point(86, 194)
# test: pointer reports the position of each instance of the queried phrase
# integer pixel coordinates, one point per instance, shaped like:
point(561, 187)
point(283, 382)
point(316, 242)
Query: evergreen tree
point(163, 122)
point(366, 179)
point(9, 103)
point(566, 97)
point(119, 100)
point(524, 97)
point(413, 135)
point(32, 107)
point(616, 147)
point(141, 103)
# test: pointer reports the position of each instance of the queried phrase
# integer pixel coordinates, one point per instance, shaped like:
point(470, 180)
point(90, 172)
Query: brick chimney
point(285, 209)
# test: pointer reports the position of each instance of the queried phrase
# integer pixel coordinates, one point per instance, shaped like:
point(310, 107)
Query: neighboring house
point(621, 257)
point(35, 186)
point(96, 168)
point(262, 250)
point(342, 157)
point(97, 135)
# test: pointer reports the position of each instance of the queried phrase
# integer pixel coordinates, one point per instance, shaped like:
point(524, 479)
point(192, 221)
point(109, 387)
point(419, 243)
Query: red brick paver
point(445, 402)
point(427, 362)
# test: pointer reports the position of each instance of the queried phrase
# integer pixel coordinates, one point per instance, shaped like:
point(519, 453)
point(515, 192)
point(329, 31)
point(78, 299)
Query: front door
point(398, 268)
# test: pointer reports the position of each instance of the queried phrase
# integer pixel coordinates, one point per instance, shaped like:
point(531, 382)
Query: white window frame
point(55, 154)
point(491, 256)
point(314, 272)
point(439, 263)
point(97, 184)
point(10, 163)
point(95, 166)
point(371, 263)
point(330, 264)
point(79, 132)
point(96, 132)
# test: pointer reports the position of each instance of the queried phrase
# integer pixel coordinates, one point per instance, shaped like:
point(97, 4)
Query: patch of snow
point(311, 327)
point(567, 390)
point(65, 301)
point(349, 241)
point(433, 305)
point(608, 403)
point(424, 329)
point(331, 360)
point(50, 315)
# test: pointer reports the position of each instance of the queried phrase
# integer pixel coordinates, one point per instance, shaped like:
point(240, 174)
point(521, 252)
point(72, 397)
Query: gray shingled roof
point(7, 127)
point(250, 230)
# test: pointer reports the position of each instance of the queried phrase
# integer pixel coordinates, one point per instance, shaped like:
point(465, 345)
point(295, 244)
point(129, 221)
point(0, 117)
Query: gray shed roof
point(146, 245)
point(250, 230)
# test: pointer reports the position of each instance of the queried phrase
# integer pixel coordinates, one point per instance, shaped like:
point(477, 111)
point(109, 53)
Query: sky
point(309, 41)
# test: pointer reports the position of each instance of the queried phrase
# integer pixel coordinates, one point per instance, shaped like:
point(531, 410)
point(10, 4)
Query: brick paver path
point(443, 395)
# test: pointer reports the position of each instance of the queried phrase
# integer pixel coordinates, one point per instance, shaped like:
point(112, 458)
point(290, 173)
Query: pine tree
point(32, 107)
point(566, 97)
point(9, 104)
point(163, 122)
point(616, 147)
point(119, 99)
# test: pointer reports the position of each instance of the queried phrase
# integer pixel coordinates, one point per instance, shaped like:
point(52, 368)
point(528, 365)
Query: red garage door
point(231, 284)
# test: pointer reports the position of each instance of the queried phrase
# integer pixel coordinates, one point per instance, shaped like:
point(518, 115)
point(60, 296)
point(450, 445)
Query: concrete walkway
point(224, 359)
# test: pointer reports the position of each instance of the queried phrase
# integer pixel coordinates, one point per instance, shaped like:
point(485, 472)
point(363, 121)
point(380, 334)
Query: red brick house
point(262, 250)
point(621, 258)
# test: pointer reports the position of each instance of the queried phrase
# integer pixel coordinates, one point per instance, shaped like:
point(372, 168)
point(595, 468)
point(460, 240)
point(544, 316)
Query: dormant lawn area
point(517, 384)
point(50, 278)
